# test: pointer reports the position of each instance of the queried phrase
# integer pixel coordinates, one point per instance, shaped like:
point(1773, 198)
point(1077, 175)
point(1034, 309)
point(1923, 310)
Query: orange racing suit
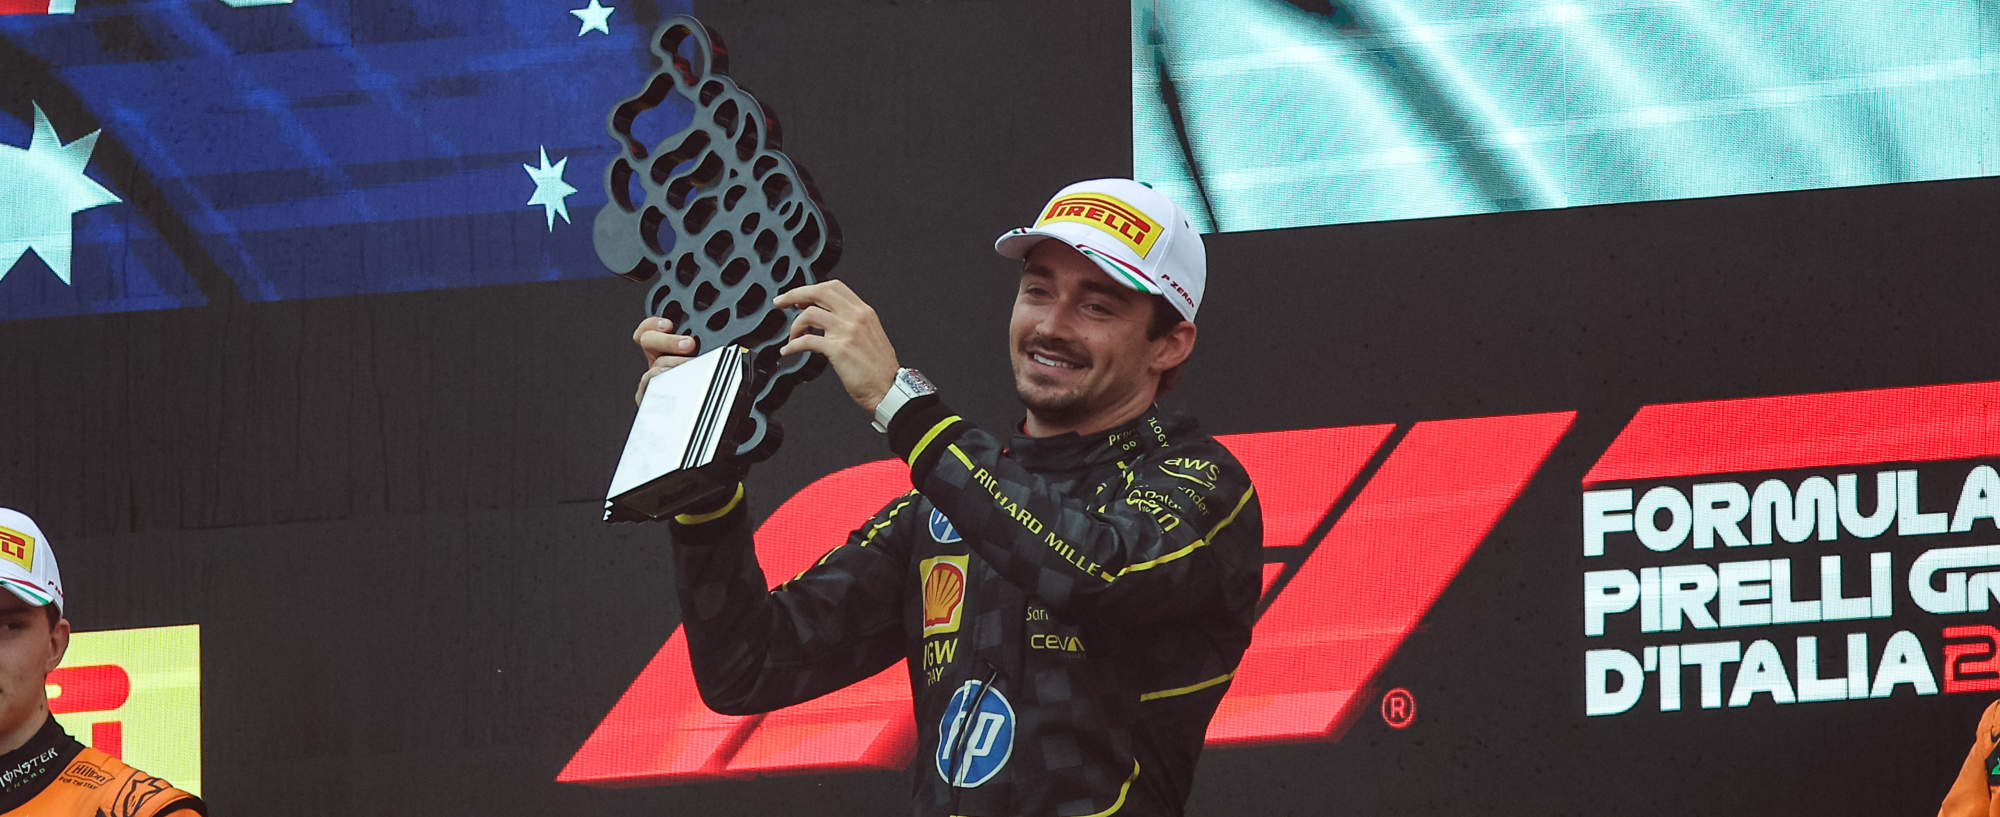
point(1973, 791)
point(53, 775)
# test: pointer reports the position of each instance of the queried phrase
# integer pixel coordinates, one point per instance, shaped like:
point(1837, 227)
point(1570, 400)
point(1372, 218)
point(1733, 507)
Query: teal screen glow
point(1261, 114)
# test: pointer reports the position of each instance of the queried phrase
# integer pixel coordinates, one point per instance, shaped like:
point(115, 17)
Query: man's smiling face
point(30, 648)
point(1081, 358)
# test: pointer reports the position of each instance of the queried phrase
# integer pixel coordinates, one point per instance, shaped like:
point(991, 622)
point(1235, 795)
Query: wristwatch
point(908, 385)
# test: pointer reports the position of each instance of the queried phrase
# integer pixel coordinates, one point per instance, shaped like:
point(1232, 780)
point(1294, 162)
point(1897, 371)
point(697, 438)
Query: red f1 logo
point(100, 688)
point(1387, 553)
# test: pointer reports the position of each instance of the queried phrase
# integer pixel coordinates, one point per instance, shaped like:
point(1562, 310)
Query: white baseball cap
point(1140, 237)
point(27, 564)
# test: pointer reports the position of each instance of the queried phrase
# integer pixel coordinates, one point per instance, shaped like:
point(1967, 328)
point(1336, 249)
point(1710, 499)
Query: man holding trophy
point(1073, 601)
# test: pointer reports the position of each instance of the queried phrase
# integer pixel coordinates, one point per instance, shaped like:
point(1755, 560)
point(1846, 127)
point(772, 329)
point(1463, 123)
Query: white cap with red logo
point(1141, 238)
point(27, 565)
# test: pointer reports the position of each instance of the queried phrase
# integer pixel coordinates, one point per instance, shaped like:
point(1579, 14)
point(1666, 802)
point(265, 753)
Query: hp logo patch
point(941, 528)
point(986, 747)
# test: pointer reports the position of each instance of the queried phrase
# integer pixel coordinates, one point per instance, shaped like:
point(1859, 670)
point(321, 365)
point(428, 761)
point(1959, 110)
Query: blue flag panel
point(186, 152)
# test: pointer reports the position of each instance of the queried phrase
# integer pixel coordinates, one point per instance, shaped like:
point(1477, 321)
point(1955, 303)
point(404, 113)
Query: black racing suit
point(1100, 589)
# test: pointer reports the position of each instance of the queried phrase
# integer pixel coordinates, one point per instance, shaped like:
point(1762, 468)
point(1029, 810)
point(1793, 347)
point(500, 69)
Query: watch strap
point(908, 385)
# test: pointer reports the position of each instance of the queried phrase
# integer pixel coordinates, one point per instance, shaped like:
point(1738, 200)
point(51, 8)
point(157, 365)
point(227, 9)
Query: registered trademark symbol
point(1399, 708)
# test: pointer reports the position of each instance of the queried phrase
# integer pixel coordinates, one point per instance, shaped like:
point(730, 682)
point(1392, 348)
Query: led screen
point(1657, 508)
point(1760, 552)
point(135, 695)
point(1793, 550)
point(171, 154)
point(660, 733)
point(1268, 113)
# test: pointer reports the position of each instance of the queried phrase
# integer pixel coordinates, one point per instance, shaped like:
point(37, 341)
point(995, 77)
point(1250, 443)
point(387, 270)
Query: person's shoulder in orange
point(43, 771)
point(95, 784)
point(1972, 792)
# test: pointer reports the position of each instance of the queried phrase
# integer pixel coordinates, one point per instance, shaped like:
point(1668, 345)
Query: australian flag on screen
point(172, 153)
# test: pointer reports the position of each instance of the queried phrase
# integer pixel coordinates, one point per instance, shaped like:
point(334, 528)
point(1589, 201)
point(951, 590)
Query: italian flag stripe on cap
point(1123, 270)
point(27, 588)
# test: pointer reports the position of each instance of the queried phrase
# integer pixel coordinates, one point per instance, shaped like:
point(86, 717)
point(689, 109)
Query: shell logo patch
point(17, 547)
point(944, 593)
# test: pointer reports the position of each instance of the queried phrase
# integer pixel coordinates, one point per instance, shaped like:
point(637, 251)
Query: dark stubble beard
point(1055, 409)
point(1060, 409)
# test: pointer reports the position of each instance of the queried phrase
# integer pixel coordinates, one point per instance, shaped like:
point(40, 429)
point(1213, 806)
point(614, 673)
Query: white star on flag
point(550, 189)
point(41, 188)
point(593, 16)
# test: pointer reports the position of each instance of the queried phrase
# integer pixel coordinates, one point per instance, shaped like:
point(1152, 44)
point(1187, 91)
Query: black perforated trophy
point(719, 221)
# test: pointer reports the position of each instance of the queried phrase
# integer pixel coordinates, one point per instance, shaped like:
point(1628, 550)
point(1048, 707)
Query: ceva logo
point(1344, 511)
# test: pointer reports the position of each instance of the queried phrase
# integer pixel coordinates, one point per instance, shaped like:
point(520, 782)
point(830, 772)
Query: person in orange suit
point(1973, 793)
point(43, 771)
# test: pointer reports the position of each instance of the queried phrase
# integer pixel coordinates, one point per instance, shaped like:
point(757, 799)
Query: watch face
point(914, 382)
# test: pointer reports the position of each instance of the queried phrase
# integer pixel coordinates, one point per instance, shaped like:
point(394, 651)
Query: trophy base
point(675, 493)
point(680, 454)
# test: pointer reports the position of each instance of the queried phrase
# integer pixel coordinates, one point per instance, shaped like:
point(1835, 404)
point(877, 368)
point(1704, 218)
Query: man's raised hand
point(663, 349)
point(836, 323)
